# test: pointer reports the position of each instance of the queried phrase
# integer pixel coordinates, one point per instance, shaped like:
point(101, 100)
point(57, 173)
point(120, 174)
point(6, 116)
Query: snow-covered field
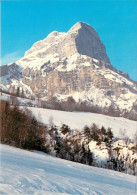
point(22, 101)
point(77, 120)
point(26, 172)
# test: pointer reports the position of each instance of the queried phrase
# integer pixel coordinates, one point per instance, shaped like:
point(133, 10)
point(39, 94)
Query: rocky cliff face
point(72, 64)
point(81, 38)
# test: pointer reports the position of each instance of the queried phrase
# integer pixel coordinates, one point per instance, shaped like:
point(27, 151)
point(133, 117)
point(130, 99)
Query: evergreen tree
point(110, 134)
point(18, 91)
point(22, 93)
point(95, 133)
point(87, 133)
point(65, 129)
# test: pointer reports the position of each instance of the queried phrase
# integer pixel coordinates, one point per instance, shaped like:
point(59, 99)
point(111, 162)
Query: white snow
point(22, 101)
point(25, 172)
point(96, 95)
point(125, 150)
point(36, 60)
point(4, 80)
point(77, 120)
point(73, 64)
point(38, 54)
point(100, 151)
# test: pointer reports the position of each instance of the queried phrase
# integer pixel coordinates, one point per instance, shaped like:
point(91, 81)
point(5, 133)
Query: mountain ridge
point(79, 36)
point(73, 64)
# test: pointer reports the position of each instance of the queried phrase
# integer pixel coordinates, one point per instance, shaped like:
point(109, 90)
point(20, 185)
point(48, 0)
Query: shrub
point(65, 129)
point(21, 128)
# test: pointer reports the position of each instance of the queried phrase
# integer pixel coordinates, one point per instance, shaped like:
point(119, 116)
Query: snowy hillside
point(25, 172)
point(21, 101)
point(77, 120)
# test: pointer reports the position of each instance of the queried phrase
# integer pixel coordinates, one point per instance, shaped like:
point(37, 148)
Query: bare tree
point(13, 100)
point(51, 123)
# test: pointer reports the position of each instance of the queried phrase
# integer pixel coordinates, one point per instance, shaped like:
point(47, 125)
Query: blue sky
point(25, 22)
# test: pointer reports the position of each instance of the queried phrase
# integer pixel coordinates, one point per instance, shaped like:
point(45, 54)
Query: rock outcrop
point(72, 64)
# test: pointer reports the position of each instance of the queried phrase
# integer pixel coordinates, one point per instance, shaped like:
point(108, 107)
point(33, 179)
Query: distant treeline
point(71, 105)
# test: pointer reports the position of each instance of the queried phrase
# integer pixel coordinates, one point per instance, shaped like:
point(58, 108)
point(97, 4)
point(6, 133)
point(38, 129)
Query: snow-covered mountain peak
point(73, 64)
point(77, 26)
point(81, 39)
point(42, 46)
point(52, 34)
point(87, 41)
point(82, 26)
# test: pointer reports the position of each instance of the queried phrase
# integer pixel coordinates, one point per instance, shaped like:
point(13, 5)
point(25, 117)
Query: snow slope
point(77, 120)
point(25, 172)
point(21, 101)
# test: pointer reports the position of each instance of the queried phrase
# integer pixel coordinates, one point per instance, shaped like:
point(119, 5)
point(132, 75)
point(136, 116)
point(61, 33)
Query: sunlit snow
point(26, 172)
point(77, 120)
